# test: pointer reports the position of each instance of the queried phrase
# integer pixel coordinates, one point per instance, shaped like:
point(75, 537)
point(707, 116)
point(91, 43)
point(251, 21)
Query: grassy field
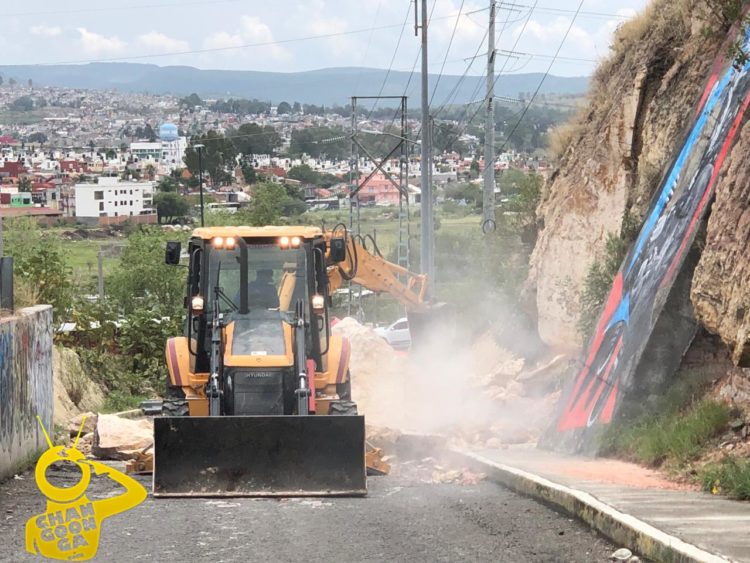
point(82, 259)
point(382, 224)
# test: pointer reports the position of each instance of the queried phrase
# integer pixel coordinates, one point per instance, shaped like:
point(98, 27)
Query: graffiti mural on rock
point(26, 386)
point(645, 279)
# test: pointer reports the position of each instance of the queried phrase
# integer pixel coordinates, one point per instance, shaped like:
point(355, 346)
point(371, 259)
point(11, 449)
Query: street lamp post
point(200, 148)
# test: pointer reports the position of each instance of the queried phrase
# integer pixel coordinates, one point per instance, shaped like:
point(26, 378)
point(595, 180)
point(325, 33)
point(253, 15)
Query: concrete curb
point(621, 528)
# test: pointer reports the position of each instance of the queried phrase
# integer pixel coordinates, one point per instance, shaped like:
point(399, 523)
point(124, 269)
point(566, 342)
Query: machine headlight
point(284, 241)
point(296, 242)
point(229, 243)
point(318, 304)
point(197, 304)
point(218, 242)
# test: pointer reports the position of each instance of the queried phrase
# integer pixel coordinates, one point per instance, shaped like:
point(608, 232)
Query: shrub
point(731, 476)
point(676, 435)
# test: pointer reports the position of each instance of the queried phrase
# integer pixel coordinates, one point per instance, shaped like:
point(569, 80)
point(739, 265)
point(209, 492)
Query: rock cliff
point(642, 100)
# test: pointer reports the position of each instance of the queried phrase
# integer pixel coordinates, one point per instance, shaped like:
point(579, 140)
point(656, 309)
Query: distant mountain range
point(326, 86)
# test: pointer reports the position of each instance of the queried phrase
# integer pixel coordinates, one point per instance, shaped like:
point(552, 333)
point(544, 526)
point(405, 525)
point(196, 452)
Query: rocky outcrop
point(642, 100)
point(720, 291)
point(74, 392)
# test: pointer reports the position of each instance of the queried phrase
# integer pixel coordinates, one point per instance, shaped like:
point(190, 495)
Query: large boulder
point(121, 438)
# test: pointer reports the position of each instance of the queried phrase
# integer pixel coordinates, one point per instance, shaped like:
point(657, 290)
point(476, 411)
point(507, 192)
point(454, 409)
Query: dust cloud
point(477, 395)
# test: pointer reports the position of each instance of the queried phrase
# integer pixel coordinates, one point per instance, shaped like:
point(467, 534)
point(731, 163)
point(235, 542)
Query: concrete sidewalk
point(633, 506)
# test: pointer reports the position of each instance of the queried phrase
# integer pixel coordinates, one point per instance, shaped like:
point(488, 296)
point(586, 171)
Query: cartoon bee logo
point(70, 527)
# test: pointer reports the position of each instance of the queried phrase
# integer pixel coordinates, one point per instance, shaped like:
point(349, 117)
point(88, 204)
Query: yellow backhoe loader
point(259, 400)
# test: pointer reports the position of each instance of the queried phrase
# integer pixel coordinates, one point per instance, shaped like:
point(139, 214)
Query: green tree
point(40, 138)
point(191, 102)
point(150, 171)
point(24, 103)
point(170, 206)
point(218, 156)
point(319, 141)
point(447, 138)
point(24, 184)
point(12, 82)
point(464, 191)
point(111, 154)
point(251, 139)
point(474, 169)
point(284, 108)
point(40, 262)
point(304, 174)
point(167, 185)
point(248, 172)
point(142, 280)
point(267, 205)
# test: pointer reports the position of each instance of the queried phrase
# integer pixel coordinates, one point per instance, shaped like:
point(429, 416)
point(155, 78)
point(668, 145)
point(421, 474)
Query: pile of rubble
point(483, 397)
point(378, 374)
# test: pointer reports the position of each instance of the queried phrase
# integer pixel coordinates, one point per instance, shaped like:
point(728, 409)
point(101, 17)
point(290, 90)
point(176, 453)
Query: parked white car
point(397, 334)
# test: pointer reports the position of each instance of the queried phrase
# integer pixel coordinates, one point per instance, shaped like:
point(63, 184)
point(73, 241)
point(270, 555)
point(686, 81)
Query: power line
point(541, 82)
point(393, 59)
point(367, 48)
point(479, 82)
point(578, 13)
point(518, 39)
point(235, 47)
point(447, 51)
point(453, 94)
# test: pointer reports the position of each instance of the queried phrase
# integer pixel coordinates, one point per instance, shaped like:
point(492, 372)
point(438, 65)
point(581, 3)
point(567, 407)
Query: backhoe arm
point(377, 274)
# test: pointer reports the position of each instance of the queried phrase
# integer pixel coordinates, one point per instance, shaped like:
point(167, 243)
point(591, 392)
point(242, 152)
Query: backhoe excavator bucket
point(261, 456)
point(434, 324)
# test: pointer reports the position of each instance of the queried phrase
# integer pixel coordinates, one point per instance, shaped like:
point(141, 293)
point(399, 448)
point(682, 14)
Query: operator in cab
point(262, 292)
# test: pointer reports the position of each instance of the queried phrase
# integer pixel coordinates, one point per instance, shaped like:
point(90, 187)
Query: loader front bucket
point(261, 456)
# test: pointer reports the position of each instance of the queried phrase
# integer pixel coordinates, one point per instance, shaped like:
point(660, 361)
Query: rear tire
point(175, 403)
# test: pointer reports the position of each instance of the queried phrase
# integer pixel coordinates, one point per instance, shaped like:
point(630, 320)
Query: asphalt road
point(405, 517)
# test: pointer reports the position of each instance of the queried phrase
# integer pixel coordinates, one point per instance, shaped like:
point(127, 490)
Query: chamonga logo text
point(69, 529)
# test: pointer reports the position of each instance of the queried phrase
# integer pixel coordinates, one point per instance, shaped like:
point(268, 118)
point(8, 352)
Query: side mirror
point(338, 250)
point(173, 252)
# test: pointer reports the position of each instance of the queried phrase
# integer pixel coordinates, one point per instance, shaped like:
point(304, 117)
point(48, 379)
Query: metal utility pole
point(200, 148)
point(427, 259)
point(100, 273)
point(488, 199)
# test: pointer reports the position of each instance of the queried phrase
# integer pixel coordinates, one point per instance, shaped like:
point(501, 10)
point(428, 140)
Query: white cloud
point(252, 31)
point(222, 40)
point(160, 43)
point(45, 30)
point(96, 44)
point(342, 46)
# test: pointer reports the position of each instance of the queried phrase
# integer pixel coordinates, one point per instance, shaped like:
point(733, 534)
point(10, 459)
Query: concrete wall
point(25, 386)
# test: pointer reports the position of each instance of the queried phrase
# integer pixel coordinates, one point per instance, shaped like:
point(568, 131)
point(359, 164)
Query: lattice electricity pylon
point(400, 182)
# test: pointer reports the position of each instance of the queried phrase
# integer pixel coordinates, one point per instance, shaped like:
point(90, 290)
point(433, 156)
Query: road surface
point(405, 517)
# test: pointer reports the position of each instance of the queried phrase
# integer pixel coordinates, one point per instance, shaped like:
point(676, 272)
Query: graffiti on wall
point(645, 279)
point(26, 388)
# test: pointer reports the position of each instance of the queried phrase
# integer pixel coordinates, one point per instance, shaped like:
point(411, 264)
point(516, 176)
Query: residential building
point(167, 153)
point(113, 197)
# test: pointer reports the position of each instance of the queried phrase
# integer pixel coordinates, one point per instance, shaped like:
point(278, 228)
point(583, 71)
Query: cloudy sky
point(287, 36)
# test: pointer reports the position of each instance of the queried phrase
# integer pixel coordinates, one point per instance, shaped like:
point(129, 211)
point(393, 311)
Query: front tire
point(175, 403)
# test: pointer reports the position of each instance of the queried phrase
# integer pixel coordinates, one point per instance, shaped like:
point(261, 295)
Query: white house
point(112, 197)
point(169, 154)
